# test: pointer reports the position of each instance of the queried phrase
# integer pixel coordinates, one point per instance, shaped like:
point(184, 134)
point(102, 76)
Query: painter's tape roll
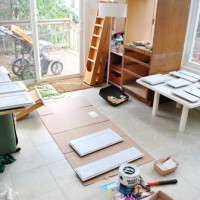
point(128, 175)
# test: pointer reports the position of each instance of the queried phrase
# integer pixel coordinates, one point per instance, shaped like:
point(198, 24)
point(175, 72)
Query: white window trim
point(190, 38)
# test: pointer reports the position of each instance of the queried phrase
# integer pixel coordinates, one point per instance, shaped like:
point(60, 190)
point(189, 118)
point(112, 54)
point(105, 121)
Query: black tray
point(113, 95)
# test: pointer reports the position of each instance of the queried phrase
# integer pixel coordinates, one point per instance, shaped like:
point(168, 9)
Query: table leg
point(183, 120)
point(178, 105)
point(155, 103)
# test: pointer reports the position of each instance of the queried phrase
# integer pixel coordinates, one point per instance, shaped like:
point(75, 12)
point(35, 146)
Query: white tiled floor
point(42, 173)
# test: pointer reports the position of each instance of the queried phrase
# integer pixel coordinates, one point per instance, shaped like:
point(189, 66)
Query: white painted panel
point(185, 95)
point(95, 141)
point(4, 78)
point(189, 74)
point(176, 83)
point(193, 90)
point(108, 163)
point(14, 100)
point(12, 87)
point(197, 85)
point(184, 76)
point(155, 79)
point(3, 70)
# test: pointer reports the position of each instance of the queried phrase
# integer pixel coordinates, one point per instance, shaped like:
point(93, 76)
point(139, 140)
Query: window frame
point(190, 37)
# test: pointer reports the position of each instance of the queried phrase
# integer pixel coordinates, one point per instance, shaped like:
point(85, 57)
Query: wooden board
point(155, 79)
point(183, 76)
point(193, 91)
point(176, 83)
point(15, 100)
point(185, 95)
point(108, 163)
point(4, 78)
point(95, 141)
point(10, 87)
point(190, 74)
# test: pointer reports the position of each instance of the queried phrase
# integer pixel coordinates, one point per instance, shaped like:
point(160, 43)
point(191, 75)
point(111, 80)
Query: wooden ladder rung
point(100, 17)
point(93, 47)
point(91, 60)
point(99, 25)
point(95, 35)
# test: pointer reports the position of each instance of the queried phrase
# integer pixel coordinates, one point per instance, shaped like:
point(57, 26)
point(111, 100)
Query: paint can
point(128, 178)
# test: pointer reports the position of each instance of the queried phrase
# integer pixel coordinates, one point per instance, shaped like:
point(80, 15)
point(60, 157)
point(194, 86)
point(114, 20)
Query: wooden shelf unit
point(115, 68)
point(163, 23)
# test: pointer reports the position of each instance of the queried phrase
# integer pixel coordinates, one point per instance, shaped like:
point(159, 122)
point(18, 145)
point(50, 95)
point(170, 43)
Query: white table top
point(166, 91)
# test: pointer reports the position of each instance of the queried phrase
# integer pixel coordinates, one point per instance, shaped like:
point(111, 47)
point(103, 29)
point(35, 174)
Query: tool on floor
point(166, 182)
point(128, 178)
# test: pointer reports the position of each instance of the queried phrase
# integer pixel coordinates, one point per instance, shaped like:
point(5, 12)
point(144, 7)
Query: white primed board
point(14, 100)
point(95, 141)
point(190, 74)
point(193, 91)
point(4, 78)
point(3, 70)
point(176, 83)
point(183, 76)
point(12, 87)
point(108, 163)
point(155, 79)
point(197, 85)
point(185, 95)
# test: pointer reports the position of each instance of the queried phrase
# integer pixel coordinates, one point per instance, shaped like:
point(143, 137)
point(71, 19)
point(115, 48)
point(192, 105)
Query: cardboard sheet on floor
point(63, 139)
point(76, 161)
point(62, 105)
point(75, 118)
point(72, 118)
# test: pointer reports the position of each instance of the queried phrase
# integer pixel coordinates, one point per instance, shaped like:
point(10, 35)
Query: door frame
point(35, 37)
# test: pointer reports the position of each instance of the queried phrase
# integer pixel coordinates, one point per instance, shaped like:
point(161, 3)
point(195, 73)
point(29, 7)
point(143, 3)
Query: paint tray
point(113, 95)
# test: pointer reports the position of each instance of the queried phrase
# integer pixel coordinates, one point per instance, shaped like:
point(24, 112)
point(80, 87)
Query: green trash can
point(8, 139)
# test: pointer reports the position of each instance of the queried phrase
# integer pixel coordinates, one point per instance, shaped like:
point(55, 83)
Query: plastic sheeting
point(7, 193)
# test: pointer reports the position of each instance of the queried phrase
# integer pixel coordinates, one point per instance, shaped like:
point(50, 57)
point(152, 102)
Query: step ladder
point(98, 52)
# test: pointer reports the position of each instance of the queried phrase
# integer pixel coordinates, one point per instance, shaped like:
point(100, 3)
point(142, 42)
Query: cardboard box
point(165, 166)
point(160, 196)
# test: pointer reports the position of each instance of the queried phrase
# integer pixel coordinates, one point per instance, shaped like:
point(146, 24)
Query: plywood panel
point(95, 141)
point(139, 20)
point(170, 26)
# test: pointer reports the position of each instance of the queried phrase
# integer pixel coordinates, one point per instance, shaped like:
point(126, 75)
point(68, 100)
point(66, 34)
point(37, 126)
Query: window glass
point(191, 55)
point(195, 51)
